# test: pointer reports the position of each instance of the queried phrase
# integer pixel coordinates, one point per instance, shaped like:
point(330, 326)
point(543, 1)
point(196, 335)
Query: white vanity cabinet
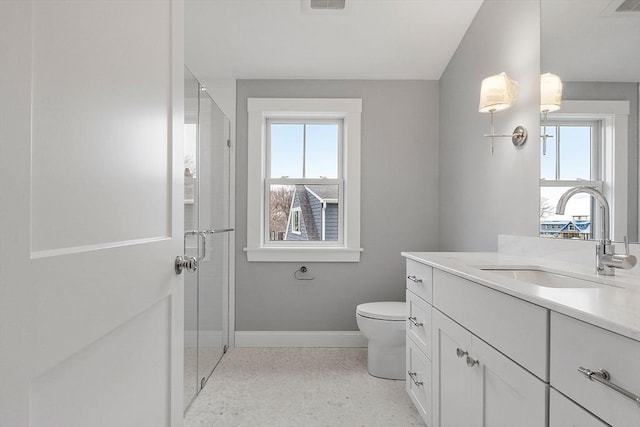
point(419, 329)
point(475, 385)
point(500, 355)
point(475, 335)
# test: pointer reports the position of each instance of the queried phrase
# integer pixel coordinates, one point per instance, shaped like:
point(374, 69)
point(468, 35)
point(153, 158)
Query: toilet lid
point(383, 310)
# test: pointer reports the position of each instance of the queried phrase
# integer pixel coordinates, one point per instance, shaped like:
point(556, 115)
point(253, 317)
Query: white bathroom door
point(91, 211)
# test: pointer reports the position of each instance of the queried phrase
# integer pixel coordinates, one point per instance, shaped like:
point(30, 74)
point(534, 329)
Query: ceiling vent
point(628, 6)
point(327, 4)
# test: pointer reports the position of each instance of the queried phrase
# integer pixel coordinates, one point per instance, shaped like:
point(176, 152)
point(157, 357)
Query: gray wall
point(610, 91)
point(399, 208)
point(481, 195)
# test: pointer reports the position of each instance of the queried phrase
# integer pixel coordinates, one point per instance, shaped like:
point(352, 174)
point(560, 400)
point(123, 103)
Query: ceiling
point(278, 39)
point(586, 40)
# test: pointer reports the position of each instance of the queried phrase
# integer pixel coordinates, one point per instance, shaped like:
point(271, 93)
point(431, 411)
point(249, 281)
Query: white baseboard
point(300, 339)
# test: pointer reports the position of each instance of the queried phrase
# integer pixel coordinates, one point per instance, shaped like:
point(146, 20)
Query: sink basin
point(541, 277)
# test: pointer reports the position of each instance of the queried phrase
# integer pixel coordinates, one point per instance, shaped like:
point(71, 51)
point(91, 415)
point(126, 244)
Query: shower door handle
point(217, 230)
point(204, 234)
point(190, 263)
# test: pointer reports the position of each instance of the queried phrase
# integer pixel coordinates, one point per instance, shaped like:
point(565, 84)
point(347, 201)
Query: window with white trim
point(572, 158)
point(303, 180)
point(586, 145)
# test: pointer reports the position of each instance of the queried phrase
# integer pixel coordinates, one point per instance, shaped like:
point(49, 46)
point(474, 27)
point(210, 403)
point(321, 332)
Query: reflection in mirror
point(594, 47)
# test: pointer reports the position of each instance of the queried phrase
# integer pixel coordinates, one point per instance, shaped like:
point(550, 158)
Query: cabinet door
point(505, 394)
point(453, 383)
point(475, 385)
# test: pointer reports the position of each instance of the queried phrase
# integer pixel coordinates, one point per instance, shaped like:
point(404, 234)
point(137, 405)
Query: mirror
point(594, 46)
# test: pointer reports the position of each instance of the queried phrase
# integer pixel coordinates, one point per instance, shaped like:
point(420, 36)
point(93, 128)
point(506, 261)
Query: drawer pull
point(603, 377)
point(413, 376)
point(414, 320)
point(415, 279)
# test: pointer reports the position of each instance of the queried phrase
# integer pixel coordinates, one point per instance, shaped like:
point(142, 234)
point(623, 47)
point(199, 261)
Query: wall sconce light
point(550, 100)
point(498, 93)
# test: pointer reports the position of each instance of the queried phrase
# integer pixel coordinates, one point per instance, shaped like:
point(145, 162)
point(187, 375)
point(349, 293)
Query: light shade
point(497, 93)
point(550, 92)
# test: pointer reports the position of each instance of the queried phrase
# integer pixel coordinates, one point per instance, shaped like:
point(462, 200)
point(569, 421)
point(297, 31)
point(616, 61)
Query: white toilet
point(383, 323)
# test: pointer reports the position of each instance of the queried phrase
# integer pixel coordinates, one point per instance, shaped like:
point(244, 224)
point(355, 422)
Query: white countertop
point(615, 308)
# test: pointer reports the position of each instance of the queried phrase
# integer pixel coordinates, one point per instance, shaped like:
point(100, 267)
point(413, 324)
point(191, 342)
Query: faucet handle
point(626, 245)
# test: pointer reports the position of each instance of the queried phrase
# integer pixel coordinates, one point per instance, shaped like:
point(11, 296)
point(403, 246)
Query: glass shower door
point(213, 272)
point(206, 208)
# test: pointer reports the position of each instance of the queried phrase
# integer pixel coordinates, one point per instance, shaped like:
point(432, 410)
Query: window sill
point(289, 254)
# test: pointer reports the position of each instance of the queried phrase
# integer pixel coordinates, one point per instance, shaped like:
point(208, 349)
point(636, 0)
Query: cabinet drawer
point(563, 413)
point(420, 280)
point(513, 326)
point(419, 322)
point(419, 383)
point(576, 344)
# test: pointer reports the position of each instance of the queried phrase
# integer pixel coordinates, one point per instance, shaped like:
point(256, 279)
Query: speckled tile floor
point(300, 387)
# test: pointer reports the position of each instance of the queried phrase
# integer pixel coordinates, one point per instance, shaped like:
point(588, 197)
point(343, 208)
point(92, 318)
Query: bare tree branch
point(280, 198)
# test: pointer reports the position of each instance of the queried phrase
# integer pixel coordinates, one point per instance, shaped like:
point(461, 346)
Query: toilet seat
point(388, 310)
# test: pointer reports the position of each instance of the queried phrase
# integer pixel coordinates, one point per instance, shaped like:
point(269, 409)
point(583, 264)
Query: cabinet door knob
point(461, 353)
point(472, 362)
point(415, 279)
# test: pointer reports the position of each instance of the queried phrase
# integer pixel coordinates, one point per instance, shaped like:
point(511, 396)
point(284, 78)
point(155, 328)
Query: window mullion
point(267, 166)
point(558, 152)
point(304, 150)
point(597, 156)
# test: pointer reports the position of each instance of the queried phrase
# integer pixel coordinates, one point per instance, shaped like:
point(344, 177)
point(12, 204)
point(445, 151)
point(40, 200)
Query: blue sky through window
point(575, 153)
point(288, 150)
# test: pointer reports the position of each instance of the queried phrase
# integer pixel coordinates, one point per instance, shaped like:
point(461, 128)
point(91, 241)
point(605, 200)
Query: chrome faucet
point(606, 258)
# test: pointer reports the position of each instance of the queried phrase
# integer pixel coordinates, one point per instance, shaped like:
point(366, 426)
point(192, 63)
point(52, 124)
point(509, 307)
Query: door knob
point(188, 263)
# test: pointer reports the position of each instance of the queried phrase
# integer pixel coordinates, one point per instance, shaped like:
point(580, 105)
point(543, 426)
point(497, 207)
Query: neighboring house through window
point(314, 214)
point(303, 180)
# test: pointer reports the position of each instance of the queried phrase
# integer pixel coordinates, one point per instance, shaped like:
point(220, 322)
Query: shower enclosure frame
point(204, 368)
